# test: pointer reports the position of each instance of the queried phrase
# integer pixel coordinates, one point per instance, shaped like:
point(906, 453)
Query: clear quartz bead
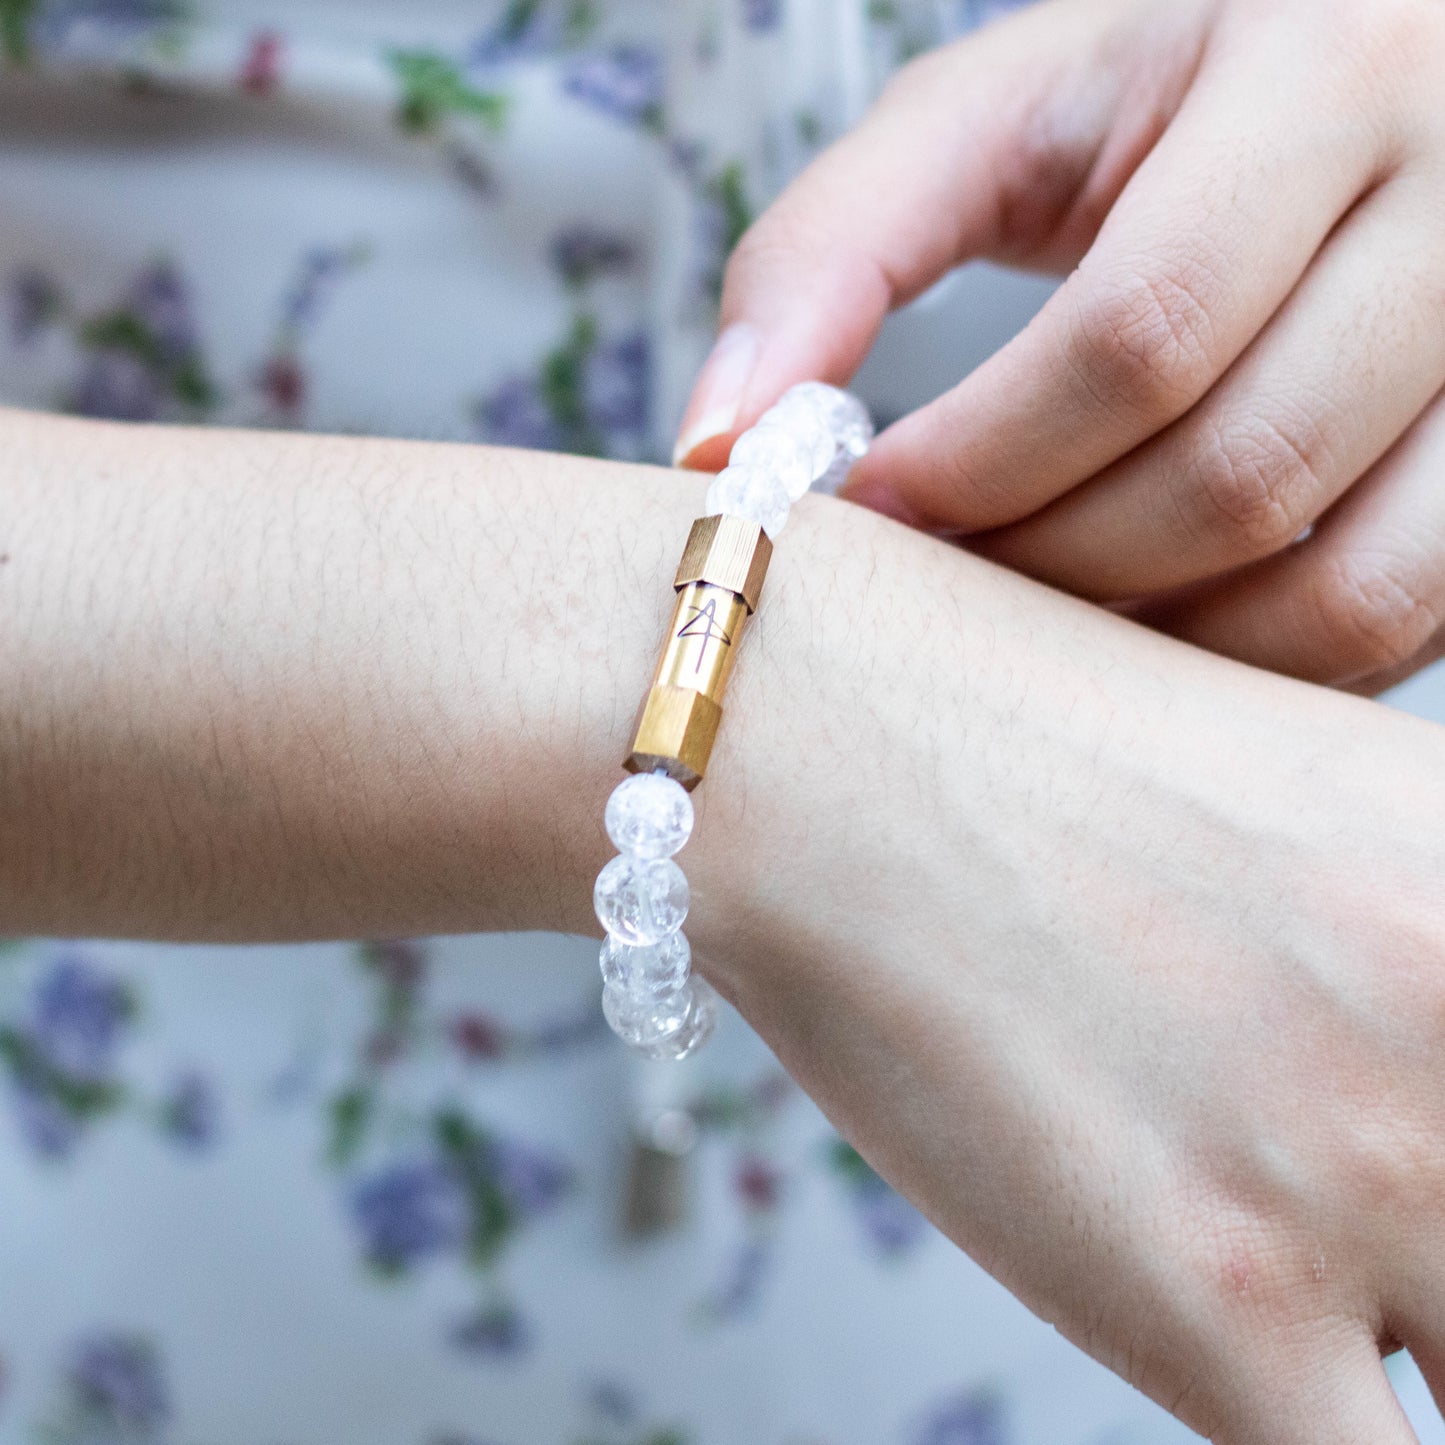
point(649, 814)
point(846, 416)
point(832, 480)
point(694, 1031)
point(640, 900)
point(780, 451)
point(645, 1020)
point(752, 493)
point(806, 422)
point(654, 971)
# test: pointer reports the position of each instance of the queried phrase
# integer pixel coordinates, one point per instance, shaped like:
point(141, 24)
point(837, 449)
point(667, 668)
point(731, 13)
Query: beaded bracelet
point(650, 997)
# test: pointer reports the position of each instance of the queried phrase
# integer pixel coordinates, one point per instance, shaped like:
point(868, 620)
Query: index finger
point(1204, 244)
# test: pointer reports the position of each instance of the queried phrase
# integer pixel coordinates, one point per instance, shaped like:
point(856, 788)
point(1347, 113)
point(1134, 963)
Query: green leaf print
point(433, 88)
point(15, 18)
point(80, 1098)
point(124, 330)
point(848, 1162)
point(351, 1112)
point(465, 1148)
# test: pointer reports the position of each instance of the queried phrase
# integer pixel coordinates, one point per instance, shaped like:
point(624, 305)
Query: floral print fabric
point(371, 1193)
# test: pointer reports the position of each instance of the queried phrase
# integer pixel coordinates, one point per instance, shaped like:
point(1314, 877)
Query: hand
point(1253, 194)
point(1124, 962)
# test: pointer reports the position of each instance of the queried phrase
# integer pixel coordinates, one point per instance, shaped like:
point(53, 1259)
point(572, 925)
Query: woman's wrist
point(264, 685)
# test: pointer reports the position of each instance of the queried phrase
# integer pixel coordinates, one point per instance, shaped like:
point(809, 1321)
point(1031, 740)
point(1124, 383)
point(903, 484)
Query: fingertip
point(707, 452)
point(717, 397)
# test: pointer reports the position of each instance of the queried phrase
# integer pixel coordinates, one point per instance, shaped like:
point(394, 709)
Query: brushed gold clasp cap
point(729, 552)
point(675, 731)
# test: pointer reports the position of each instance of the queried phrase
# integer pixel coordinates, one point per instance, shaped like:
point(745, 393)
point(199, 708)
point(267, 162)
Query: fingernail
point(713, 410)
point(881, 498)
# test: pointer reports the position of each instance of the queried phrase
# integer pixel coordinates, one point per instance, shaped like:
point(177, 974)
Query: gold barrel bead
point(718, 582)
point(680, 716)
point(702, 642)
point(675, 731)
point(729, 552)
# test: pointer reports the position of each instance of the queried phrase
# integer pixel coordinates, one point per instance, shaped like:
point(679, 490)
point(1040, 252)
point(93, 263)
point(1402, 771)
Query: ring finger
point(1352, 359)
point(1361, 601)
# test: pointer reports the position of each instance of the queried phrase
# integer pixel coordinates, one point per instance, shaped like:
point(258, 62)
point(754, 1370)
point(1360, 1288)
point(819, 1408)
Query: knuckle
point(1394, 46)
point(1397, 29)
point(1242, 1264)
point(1146, 343)
point(1375, 610)
point(1253, 484)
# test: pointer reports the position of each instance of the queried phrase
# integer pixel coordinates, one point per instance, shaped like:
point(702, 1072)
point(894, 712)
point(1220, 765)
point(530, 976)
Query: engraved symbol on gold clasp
point(704, 624)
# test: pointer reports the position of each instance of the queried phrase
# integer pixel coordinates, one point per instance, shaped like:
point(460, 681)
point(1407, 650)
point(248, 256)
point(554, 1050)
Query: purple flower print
point(743, 1286)
point(626, 82)
point(612, 1401)
point(516, 414)
point(118, 387)
point(890, 1223)
point(616, 388)
point(117, 1388)
point(76, 1018)
point(321, 268)
point(61, 1058)
point(721, 213)
point(529, 28)
point(583, 252)
point(281, 378)
point(686, 154)
point(159, 298)
point(495, 1329)
point(50, 1129)
point(34, 301)
point(567, 1034)
point(400, 962)
point(970, 14)
point(106, 29)
point(190, 1112)
point(975, 1418)
point(531, 1182)
point(761, 16)
point(143, 357)
point(410, 1211)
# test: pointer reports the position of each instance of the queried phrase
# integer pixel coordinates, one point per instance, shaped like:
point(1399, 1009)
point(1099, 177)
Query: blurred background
point(410, 1192)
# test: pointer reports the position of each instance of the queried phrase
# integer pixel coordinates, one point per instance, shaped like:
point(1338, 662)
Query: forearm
point(264, 685)
point(258, 685)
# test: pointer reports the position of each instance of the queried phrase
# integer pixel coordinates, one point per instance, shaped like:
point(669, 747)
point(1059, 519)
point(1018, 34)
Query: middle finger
point(1350, 361)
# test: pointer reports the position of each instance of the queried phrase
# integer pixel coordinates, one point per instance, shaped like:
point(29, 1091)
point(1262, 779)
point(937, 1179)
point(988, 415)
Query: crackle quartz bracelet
point(650, 997)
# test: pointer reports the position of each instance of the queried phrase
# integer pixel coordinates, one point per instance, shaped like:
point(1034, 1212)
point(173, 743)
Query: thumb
point(947, 166)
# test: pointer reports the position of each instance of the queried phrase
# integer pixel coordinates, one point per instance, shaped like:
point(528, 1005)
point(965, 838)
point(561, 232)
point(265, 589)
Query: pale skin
point(1248, 198)
point(1121, 959)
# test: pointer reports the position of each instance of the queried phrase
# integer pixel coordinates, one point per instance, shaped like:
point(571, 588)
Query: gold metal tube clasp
point(718, 582)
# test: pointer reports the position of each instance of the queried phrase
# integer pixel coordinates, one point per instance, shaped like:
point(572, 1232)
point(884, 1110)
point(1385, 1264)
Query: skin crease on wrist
point(1125, 962)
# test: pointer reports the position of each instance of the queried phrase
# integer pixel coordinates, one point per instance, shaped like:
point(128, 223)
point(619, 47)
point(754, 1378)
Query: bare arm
point(1126, 962)
point(256, 685)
